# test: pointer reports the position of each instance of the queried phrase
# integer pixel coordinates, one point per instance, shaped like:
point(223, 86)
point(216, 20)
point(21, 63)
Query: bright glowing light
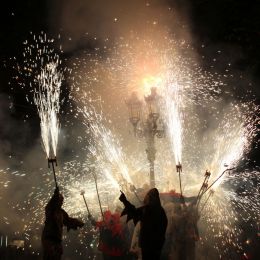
point(149, 82)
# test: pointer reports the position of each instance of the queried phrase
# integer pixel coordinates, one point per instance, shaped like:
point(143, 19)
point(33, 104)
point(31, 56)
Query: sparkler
point(47, 102)
point(174, 123)
point(41, 66)
point(232, 144)
point(173, 102)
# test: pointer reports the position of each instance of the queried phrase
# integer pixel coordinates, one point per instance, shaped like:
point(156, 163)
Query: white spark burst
point(47, 99)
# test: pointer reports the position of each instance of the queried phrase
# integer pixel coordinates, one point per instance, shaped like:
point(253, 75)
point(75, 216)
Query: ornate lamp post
point(135, 109)
point(149, 126)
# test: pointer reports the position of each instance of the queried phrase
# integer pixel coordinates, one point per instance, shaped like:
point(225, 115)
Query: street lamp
point(148, 126)
point(135, 108)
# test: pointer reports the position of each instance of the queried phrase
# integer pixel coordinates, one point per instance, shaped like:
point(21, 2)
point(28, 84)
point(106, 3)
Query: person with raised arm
point(153, 223)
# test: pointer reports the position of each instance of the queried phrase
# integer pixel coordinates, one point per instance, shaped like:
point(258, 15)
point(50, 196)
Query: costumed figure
point(153, 223)
point(55, 219)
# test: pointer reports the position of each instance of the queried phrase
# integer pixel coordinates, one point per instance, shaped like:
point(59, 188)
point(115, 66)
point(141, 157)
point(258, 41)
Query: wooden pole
point(95, 179)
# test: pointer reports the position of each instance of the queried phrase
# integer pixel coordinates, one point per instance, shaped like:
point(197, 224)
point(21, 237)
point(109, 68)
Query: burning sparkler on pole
point(46, 99)
point(41, 65)
point(173, 102)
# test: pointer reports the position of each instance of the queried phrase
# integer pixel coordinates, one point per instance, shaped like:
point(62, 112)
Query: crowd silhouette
point(163, 227)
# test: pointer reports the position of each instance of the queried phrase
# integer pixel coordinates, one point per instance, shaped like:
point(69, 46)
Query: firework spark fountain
point(197, 140)
point(174, 124)
point(42, 67)
point(107, 145)
point(47, 99)
point(225, 143)
point(173, 103)
point(232, 142)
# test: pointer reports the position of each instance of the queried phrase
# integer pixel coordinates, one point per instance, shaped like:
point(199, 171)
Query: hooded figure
point(153, 223)
point(55, 219)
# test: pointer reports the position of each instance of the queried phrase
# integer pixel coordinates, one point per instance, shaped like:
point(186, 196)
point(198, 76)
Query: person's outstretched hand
point(74, 224)
point(122, 197)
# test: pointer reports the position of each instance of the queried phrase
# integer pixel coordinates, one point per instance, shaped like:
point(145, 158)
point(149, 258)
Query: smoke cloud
point(81, 20)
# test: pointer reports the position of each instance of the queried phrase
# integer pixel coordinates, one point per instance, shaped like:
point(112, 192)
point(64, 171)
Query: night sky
point(227, 25)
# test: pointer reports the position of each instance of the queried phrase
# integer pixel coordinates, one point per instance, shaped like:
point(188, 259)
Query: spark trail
point(173, 103)
point(106, 144)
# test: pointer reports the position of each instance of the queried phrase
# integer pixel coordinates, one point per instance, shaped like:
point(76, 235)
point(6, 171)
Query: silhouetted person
point(153, 223)
point(55, 219)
